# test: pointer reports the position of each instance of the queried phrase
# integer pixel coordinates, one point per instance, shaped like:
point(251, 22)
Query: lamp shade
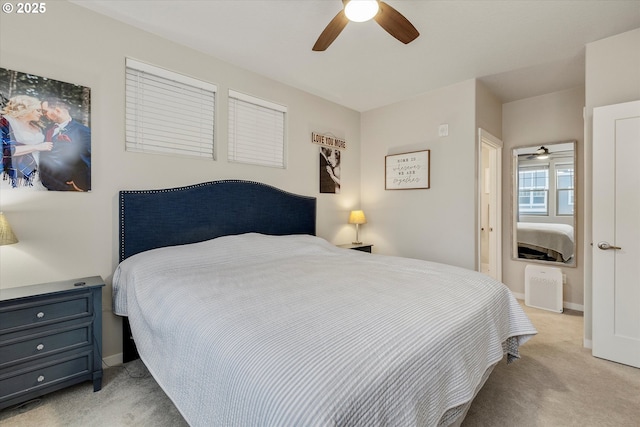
point(6, 233)
point(357, 217)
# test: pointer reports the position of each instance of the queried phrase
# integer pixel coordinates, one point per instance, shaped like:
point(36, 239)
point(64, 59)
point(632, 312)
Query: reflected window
point(533, 187)
point(564, 188)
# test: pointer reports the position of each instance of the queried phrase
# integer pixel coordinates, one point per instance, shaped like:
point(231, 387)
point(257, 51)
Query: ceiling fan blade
point(396, 24)
point(332, 31)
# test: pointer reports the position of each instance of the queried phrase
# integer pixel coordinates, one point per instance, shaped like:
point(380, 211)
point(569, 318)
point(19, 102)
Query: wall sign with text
point(407, 171)
point(328, 140)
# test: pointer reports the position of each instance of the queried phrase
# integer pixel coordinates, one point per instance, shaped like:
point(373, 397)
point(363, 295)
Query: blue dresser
point(50, 338)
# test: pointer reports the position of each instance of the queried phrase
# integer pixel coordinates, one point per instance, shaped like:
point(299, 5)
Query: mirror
point(544, 203)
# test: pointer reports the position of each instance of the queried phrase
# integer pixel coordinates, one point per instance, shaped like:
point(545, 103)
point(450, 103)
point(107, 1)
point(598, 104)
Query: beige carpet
point(129, 397)
point(556, 383)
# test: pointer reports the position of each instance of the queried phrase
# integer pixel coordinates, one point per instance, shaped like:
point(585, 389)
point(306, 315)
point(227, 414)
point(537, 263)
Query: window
point(256, 131)
point(533, 183)
point(564, 188)
point(168, 113)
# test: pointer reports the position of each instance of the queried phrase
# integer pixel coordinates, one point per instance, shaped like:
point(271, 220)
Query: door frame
point(495, 144)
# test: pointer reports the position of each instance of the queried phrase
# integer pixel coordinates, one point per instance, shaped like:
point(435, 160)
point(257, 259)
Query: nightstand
point(50, 338)
point(363, 247)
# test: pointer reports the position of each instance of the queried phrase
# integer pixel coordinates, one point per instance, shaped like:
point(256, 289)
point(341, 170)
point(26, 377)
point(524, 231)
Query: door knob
point(606, 246)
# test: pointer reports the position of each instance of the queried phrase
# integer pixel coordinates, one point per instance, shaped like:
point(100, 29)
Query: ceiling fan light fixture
point(392, 21)
point(361, 10)
point(543, 153)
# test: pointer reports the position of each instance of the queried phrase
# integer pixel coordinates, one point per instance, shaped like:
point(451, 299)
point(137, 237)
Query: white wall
point(612, 77)
point(64, 235)
point(553, 117)
point(488, 111)
point(438, 223)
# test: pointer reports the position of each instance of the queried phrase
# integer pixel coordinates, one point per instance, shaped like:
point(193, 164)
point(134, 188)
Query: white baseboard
point(565, 304)
point(573, 306)
point(113, 360)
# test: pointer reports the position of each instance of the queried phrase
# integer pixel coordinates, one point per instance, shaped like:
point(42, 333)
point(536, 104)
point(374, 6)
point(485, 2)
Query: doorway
point(489, 205)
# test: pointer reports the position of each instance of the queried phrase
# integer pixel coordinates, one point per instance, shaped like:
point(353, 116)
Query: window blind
point(168, 113)
point(256, 130)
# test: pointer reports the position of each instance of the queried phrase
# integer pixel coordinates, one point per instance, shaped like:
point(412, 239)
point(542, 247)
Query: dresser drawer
point(50, 338)
point(43, 343)
point(45, 375)
point(36, 312)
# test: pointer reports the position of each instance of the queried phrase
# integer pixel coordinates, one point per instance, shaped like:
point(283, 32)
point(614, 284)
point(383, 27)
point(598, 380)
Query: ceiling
point(518, 48)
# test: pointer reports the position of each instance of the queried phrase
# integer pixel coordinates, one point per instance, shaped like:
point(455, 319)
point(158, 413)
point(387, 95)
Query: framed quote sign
point(407, 171)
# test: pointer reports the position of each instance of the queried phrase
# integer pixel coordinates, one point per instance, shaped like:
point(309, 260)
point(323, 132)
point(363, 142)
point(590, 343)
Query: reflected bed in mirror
point(543, 203)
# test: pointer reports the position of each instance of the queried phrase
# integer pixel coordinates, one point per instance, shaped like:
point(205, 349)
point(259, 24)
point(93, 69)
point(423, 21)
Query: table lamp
point(357, 218)
point(6, 233)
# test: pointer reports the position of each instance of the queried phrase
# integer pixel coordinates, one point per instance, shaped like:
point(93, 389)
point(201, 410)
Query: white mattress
point(257, 330)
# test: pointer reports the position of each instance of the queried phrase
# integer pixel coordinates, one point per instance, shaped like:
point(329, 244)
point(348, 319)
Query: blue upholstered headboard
point(152, 219)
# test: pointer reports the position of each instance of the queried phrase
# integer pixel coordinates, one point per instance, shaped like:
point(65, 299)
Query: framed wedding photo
point(45, 126)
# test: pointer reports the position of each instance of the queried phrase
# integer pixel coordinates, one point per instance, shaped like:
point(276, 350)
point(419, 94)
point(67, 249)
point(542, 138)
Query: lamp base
point(357, 241)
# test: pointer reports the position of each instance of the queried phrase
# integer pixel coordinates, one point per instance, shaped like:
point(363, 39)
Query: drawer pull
point(41, 378)
point(40, 315)
point(40, 347)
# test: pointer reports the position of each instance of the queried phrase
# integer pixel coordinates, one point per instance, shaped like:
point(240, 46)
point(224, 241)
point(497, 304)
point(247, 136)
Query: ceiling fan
point(540, 154)
point(363, 10)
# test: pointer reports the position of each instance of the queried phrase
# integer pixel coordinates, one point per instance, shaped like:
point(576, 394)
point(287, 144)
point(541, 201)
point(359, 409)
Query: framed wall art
point(45, 127)
point(407, 171)
point(330, 153)
point(329, 170)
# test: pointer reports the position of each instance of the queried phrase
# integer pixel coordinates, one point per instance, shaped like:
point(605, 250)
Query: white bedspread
point(257, 330)
point(547, 237)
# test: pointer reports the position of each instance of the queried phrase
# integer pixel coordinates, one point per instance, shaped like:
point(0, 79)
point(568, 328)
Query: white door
point(616, 233)
point(490, 203)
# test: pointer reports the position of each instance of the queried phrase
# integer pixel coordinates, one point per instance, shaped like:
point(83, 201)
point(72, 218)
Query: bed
point(546, 241)
point(253, 320)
